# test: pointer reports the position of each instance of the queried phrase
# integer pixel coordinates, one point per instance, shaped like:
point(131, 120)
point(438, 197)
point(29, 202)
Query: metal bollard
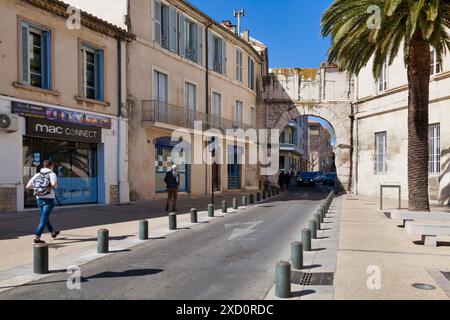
point(235, 204)
point(283, 280)
point(306, 239)
point(312, 225)
point(252, 198)
point(244, 201)
point(258, 197)
point(211, 210)
point(172, 221)
point(103, 241)
point(40, 258)
point(194, 216)
point(297, 255)
point(224, 207)
point(318, 219)
point(143, 230)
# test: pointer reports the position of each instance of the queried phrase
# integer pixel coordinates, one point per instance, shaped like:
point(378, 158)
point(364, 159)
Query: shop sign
point(60, 115)
point(42, 128)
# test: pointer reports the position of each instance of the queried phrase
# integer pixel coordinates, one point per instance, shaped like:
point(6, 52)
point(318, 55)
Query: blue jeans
point(45, 208)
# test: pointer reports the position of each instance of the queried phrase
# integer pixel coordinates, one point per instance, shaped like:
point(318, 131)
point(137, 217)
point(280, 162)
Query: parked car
point(328, 179)
point(307, 178)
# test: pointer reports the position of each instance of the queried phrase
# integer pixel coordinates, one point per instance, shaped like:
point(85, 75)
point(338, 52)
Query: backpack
point(42, 185)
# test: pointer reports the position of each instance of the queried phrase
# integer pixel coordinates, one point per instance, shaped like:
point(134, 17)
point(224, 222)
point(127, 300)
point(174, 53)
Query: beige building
point(185, 67)
point(320, 149)
point(381, 132)
point(61, 98)
point(294, 146)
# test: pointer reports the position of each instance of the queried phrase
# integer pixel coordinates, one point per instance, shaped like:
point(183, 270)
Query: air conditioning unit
point(9, 122)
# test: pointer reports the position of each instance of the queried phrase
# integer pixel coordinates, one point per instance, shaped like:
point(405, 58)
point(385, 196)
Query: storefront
point(74, 141)
point(163, 164)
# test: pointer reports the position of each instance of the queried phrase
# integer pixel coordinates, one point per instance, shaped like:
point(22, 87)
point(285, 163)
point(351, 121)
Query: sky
point(290, 28)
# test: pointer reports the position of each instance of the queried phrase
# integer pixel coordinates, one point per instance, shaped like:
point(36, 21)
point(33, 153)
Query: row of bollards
point(283, 268)
point(41, 252)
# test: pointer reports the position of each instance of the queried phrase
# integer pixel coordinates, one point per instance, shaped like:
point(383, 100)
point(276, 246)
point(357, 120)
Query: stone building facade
point(381, 131)
point(62, 93)
point(320, 149)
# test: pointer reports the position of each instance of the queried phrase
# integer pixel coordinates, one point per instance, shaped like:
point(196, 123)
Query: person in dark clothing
point(281, 178)
point(172, 181)
point(288, 180)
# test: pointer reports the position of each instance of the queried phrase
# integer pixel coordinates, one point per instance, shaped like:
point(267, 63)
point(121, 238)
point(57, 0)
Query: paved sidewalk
point(370, 242)
point(77, 243)
point(322, 258)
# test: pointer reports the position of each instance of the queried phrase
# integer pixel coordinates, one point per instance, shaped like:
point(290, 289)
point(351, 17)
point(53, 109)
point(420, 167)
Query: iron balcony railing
point(156, 111)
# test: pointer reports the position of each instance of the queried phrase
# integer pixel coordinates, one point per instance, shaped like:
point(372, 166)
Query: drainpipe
point(119, 115)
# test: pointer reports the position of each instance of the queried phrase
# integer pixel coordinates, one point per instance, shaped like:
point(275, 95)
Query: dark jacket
point(171, 181)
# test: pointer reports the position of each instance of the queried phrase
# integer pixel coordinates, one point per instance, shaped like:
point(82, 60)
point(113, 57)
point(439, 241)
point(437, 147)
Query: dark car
point(328, 179)
point(307, 179)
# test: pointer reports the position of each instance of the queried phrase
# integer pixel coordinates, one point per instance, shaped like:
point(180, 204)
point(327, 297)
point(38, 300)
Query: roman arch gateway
point(324, 92)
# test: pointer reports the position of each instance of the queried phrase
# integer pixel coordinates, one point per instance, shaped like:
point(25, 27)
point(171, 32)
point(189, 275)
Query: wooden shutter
point(157, 22)
point(181, 34)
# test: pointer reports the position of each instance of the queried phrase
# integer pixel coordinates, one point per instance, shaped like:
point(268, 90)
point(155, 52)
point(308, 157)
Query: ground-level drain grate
point(447, 275)
point(312, 279)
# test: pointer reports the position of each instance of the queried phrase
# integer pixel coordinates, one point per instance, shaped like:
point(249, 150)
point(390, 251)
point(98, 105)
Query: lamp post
point(212, 149)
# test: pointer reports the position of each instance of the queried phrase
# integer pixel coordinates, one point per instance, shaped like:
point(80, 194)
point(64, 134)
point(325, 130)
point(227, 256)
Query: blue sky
point(290, 28)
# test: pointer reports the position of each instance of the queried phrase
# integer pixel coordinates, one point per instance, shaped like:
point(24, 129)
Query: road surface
point(232, 257)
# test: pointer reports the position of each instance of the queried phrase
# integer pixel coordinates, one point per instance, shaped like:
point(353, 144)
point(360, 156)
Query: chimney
point(227, 24)
point(246, 35)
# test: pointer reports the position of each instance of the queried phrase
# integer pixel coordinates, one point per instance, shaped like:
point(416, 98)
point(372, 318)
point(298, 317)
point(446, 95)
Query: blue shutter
point(47, 67)
point(100, 74)
point(157, 22)
point(172, 29)
point(200, 44)
point(224, 57)
point(210, 50)
point(25, 58)
point(181, 32)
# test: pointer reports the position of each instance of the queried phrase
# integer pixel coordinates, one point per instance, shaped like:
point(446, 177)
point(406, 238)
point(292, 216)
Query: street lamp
point(212, 149)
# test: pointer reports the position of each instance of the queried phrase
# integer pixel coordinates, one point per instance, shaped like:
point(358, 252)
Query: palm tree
point(415, 25)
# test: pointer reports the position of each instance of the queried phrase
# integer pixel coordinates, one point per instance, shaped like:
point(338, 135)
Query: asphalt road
point(232, 257)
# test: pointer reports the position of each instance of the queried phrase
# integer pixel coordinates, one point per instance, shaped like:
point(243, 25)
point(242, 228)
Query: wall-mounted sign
point(59, 115)
point(42, 128)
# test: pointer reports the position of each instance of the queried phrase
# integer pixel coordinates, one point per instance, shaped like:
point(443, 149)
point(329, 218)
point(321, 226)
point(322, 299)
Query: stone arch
point(338, 116)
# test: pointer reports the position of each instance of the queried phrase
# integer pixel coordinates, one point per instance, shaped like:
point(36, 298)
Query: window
point(251, 73)
point(238, 113)
point(239, 64)
point(253, 117)
point(381, 153)
point(36, 56)
point(216, 110)
point(434, 147)
point(216, 54)
point(382, 81)
point(161, 96)
point(92, 61)
point(190, 97)
point(435, 65)
point(165, 26)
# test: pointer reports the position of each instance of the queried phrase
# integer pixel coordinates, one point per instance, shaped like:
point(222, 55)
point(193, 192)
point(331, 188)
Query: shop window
point(92, 72)
point(36, 56)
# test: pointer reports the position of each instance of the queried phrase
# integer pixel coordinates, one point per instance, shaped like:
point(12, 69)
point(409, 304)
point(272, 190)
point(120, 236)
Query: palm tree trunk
point(419, 88)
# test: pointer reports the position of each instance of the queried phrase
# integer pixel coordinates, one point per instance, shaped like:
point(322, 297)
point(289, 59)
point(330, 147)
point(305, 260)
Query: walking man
point(172, 181)
point(44, 184)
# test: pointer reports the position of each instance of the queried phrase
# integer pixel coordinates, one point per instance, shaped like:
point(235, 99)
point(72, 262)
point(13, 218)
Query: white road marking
point(241, 232)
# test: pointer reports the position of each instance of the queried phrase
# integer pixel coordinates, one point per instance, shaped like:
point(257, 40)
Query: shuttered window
point(251, 73)
point(434, 145)
point(239, 64)
point(36, 56)
point(92, 72)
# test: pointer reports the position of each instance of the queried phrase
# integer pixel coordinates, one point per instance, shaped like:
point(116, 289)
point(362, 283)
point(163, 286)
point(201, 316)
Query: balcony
point(155, 113)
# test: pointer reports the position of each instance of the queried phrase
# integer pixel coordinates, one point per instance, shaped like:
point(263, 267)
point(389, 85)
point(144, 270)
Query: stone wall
point(8, 199)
